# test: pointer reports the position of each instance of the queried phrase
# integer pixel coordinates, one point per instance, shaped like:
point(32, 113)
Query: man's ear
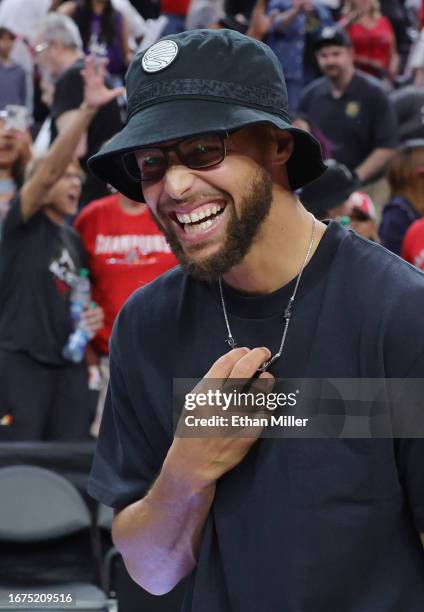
point(283, 150)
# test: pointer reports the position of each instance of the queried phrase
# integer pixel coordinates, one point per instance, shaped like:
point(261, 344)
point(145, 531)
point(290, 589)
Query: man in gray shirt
point(12, 76)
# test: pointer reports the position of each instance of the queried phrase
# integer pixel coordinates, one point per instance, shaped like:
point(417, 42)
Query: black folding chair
point(46, 533)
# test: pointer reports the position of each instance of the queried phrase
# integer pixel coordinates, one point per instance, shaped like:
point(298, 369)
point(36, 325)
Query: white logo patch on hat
point(159, 56)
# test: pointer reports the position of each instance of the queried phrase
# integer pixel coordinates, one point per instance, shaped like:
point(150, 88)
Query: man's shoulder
point(316, 87)
point(375, 267)
point(368, 84)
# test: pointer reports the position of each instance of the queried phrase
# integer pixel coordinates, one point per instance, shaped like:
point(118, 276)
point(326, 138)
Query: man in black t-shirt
point(348, 111)
point(59, 52)
point(43, 396)
point(282, 523)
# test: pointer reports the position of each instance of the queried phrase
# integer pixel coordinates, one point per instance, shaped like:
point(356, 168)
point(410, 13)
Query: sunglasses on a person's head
point(196, 152)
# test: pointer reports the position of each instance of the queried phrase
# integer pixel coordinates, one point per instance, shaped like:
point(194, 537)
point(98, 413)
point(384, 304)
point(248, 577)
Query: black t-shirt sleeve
point(69, 93)
point(125, 464)
point(385, 125)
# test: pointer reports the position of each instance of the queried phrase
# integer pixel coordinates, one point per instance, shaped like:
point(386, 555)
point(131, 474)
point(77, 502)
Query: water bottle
point(74, 349)
point(80, 295)
point(76, 345)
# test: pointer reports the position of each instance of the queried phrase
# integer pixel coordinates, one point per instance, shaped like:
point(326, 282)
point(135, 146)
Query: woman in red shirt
point(372, 37)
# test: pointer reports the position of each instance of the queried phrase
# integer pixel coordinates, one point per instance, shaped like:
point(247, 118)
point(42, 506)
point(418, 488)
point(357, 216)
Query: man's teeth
point(193, 217)
point(198, 227)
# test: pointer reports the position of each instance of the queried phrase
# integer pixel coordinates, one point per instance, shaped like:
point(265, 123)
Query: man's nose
point(178, 180)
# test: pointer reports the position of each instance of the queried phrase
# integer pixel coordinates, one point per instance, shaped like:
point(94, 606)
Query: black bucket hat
point(197, 82)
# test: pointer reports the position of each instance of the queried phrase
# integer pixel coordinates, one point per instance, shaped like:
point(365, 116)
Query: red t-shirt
point(374, 43)
point(125, 252)
point(175, 7)
point(413, 244)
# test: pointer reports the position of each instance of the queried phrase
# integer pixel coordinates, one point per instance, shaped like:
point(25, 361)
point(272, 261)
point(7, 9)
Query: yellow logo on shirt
point(352, 109)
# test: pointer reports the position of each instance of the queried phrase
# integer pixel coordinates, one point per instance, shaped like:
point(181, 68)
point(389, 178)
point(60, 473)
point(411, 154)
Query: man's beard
point(240, 233)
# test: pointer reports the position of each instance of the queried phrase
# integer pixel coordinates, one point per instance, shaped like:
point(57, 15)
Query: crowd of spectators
point(355, 77)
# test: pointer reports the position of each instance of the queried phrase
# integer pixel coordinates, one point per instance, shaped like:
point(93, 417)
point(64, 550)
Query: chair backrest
point(104, 517)
point(37, 504)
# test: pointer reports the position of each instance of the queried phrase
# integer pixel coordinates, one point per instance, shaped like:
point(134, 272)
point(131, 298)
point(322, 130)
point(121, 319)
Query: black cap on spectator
point(329, 190)
point(332, 37)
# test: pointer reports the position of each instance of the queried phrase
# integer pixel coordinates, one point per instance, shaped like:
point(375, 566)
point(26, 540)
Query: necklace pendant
point(264, 366)
point(232, 342)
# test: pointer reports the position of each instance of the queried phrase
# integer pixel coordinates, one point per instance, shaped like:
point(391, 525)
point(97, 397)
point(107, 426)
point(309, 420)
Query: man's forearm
point(64, 146)
point(159, 535)
point(373, 164)
point(54, 164)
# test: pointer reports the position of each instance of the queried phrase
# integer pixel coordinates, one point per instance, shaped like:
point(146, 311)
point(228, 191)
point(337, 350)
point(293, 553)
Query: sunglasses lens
point(151, 164)
point(202, 152)
point(145, 164)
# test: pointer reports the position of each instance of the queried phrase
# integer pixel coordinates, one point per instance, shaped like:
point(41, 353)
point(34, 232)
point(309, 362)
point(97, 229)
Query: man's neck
point(5, 60)
point(339, 86)
point(278, 253)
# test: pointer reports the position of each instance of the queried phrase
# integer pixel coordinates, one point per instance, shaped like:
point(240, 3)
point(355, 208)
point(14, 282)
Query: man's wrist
point(88, 109)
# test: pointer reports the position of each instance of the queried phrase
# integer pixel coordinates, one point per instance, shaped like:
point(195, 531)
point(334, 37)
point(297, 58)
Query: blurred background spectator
point(327, 196)
point(349, 112)
point(203, 13)
point(409, 107)
point(406, 179)
point(333, 196)
point(373, 38)
point(12, 75)
point(104, 32)
point(176, 13)
point(40, 261)
point(363, 215)
point(125, 251)
point(14, 155)
point(413, 244)
point(59, 53)
point(23, 17)
point(287, 26)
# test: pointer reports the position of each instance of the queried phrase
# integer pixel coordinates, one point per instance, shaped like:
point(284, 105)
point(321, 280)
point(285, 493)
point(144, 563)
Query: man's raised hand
point(96, 94)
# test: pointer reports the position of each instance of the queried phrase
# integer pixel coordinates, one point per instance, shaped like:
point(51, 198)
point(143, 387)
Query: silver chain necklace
point(287, 313)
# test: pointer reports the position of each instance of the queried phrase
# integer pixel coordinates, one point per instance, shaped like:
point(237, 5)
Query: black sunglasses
point(198, 152)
